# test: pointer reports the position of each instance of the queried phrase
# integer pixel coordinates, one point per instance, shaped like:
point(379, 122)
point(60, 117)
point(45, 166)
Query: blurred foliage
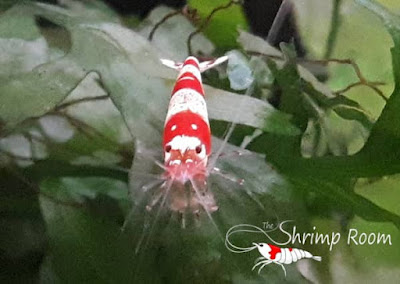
point(223, 26)
point(82, 104)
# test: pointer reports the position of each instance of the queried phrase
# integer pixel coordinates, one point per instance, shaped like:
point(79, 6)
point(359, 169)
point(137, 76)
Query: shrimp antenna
point(228, 135)
point(168, 186)
point(231, 247)
point(239, 181)
point(144, 188)
point(148, 229)
point(204, 205)
point(158, 163)
point(252, 229)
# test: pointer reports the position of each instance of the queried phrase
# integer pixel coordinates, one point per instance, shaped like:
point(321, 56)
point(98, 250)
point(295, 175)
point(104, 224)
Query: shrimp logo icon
point(269, 253)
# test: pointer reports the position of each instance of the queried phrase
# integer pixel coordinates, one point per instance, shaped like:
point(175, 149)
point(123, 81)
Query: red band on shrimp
point(274, 251)
point(191, 62)
point(188, 84)
point(187, 74)
point(189, 124)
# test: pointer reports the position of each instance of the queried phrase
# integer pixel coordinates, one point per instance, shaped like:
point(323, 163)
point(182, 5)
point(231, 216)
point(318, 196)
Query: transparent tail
point(205, 65)
point(317, 258)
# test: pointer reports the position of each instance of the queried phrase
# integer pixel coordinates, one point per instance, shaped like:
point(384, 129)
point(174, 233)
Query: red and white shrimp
point(280, 256)
point(270, 253)
point(187, 139)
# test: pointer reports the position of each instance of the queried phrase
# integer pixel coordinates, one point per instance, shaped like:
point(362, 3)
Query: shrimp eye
point(198, 149)
point(168, 148)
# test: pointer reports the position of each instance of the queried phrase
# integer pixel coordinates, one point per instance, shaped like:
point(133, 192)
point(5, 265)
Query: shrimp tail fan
point(205, 65)
point(317, 258)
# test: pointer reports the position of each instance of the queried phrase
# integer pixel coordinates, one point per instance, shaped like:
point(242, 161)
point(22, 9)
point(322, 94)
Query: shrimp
point(270, 253)
point(187, 141)
point(280, 256)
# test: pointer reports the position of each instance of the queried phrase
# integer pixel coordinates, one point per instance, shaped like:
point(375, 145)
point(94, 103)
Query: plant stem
point(335, 24)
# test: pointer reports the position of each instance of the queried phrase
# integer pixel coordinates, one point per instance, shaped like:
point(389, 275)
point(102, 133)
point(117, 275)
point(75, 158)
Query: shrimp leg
point(284, 270)
point(260, 262)
point(259, 258)
point(262, 266)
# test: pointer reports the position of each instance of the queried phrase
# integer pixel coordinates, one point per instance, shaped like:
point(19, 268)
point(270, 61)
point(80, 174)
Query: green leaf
point(78, 13)
point(223, 26)
point(353, 113)
point(22, 236)
point(92, 187)
point(262, 75)
point(300, 171)
point(385, 135)
point(129, 87)
point(252, 43)
point(22, 47)
point(18, 22)
point(92, 11)
point(341, 105)
point(127, 59)
point(365, 163)
point(170, 38)
point(85, 246)
point(380, 155)
point(293, 101)
point(42, 169)
point(38, 92)
point(321, 96)
point(332, 193)
point(240, 109)
point(385, 193)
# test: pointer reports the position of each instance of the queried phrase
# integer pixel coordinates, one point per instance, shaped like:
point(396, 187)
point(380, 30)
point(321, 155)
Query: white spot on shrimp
point(189, 161)
point(187, 99)
point(182, 143)
point(173, 127)
point(194, 126)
